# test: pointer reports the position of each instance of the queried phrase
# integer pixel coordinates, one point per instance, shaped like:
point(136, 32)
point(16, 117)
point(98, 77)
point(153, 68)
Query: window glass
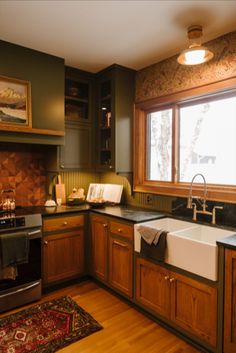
point(207, 141)
point(159, 145)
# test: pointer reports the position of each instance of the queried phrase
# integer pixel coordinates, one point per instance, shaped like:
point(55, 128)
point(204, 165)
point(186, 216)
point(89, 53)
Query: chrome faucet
point(202, 202)
point(190, 203)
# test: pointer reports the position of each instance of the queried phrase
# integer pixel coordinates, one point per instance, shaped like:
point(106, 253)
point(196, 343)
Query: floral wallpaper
point(168, 76)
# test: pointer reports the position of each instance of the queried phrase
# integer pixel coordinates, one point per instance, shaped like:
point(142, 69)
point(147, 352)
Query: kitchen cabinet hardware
point(167, 278)
point(172, 280)
point(120, 230)
point(65, 223)
point(45, 242)
point(105, 225)
point(120, 244)
point(62, 166)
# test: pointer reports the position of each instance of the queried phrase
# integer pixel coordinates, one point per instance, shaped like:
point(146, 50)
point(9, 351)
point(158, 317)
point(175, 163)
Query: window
point(159, 145)
point(175, 141)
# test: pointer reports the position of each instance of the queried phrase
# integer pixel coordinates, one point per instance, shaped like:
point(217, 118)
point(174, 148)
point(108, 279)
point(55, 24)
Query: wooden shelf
point(31, 130)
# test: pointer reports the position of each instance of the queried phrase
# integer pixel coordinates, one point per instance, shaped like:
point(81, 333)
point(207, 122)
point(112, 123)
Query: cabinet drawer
point(62, 223)
point(122, 229)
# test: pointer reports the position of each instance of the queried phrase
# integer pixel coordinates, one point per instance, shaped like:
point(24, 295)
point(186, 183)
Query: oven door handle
point(20, 290)
point(34, 232)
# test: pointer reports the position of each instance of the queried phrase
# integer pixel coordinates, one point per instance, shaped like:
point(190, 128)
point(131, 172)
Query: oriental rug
point(45, 328)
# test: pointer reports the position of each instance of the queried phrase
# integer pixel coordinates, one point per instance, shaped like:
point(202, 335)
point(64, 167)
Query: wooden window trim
point(224, 193)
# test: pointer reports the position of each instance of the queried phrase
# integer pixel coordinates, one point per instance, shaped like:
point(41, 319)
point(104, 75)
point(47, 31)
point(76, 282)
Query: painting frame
point(15, 103)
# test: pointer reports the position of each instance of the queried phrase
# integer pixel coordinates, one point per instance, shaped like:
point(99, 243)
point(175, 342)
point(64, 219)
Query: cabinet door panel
point(99, 247)
point(230, 302)
point(63, 256)
point(77, 152)
point(194, 307)
point(153, 287)
point(53, 224)
point(120, 265)
point(122, 229)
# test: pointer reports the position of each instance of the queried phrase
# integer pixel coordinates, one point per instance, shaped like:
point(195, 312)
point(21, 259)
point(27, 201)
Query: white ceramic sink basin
point(168, 224)
point(190, 246)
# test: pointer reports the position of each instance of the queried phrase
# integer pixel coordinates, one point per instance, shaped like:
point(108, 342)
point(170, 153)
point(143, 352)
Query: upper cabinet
point(115, 99)
point(46, 76)
point(78, 95)
point(77, 153)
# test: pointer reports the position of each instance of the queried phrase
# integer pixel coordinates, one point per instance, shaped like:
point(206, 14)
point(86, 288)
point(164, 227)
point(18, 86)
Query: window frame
point(215, 192)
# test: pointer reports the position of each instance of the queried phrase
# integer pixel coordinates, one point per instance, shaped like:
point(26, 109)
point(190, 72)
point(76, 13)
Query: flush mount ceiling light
point(196, 53)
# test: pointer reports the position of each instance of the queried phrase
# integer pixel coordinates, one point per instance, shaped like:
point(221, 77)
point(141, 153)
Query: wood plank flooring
point(126, 330)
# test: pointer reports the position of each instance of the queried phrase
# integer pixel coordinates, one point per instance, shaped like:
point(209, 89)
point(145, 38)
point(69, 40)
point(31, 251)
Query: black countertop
point(132, 214)
point(127, 213)
point(229, 242)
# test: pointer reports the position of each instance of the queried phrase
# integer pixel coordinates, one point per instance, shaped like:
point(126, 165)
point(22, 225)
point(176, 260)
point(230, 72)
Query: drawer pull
point(166, 278)
point(45, 242)
point(65, 223)
point(105, 225)
point(120, 244)
point(120, 230)
point(172, 280)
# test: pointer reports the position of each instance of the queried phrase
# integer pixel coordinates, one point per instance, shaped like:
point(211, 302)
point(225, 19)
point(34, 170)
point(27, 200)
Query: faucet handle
point(218, 207)
point(214, 213)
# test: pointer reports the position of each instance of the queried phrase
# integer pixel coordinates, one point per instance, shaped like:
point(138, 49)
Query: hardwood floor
point(125, 329)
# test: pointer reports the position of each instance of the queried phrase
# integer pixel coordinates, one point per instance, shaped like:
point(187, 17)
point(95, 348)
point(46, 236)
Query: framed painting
point(15, 103)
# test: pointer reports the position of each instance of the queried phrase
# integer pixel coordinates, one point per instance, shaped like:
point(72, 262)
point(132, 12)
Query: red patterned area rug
point(45, 328)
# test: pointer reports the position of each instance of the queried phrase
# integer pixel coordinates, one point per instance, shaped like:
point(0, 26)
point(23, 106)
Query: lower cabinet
point(63, 248)
point(230, 302)
point(188, 303)
point(121, 257)
point(112, 253)
point(99, 226)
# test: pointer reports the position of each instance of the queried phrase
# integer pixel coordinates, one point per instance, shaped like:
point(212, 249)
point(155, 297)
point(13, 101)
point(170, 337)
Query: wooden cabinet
point(188, 303)
point(230, 302)
point(112, 253)
point(77, 153)
point(115, 91)
point(121, 257)
point(99, 227)
point(152, 287)
point(63, 248)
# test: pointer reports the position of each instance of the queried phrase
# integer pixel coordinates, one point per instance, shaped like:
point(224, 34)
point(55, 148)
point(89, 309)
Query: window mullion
point(175, 144)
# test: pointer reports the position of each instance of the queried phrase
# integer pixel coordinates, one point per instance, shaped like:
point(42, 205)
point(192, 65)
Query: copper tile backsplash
point(22, 168)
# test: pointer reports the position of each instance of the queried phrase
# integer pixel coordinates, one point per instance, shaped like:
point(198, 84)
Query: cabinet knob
point(45, 242)
point(119, 230)
point(110, 167)
point(65, 223)
point(105, 225)
point(62, 166)
point(172, 280)
point(166, 278)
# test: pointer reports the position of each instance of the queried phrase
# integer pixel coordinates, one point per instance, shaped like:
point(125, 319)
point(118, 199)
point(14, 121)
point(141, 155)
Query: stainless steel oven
point(26, 286)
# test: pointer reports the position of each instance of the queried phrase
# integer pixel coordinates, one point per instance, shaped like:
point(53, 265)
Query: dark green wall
point(46, 74)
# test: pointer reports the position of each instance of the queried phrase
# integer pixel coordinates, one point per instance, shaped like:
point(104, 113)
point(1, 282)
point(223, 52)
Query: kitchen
point(34, 154)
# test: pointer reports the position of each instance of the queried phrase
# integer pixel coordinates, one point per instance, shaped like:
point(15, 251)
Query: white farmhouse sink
point(168, 224)
point(190, 246)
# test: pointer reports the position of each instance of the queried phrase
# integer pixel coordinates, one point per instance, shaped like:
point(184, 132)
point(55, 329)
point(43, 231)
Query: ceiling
point(92, 34)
